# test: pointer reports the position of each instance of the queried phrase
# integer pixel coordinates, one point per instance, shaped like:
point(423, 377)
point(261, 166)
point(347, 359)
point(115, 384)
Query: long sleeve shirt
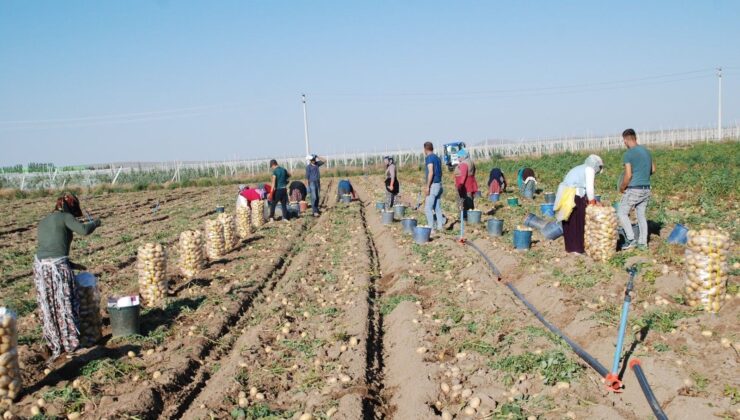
point(55, 234)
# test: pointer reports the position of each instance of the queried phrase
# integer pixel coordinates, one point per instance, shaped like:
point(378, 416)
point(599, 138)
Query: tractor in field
point(450, 153)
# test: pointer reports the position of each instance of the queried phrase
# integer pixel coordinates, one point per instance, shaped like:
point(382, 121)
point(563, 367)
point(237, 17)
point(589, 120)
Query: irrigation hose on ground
point(598, 367)
point(654, 405)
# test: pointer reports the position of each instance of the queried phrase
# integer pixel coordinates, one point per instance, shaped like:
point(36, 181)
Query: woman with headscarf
point(496, 181)
point(465, 182)
point(574, 194)
point(247, 195)
point(53, 276)
point(391, 182)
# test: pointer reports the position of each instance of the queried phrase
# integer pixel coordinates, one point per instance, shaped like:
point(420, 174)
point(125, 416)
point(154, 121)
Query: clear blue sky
point(100, 81)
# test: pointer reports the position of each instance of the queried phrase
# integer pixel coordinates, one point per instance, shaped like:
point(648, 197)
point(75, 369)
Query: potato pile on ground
point(192, 257)
point(152, 267)
point(601, 232)
point(707, 270)
point(10, 373)
point(243, 221)
point(258, 213)
point(215, 247)
point(91, 323)
point(231, 239)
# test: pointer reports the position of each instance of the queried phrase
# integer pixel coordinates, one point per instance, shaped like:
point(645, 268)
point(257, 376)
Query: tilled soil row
point(169, 366)
point(303, 352)
point(687, 356)
point(469, 327)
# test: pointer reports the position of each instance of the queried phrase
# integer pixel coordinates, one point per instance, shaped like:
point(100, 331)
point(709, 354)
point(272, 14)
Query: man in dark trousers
point(279, 189)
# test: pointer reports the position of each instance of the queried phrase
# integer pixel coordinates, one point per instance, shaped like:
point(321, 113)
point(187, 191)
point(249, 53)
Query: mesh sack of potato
point(192, 257)
point(258, 213)
point(88, 296)
point(243, 221)
point(151, 265)
point(706, 256)
point(601, 232)
point(215, 247)
point(10, 372)
point(231, 237)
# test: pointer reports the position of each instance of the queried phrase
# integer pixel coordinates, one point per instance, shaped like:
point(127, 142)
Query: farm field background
point(343, 317)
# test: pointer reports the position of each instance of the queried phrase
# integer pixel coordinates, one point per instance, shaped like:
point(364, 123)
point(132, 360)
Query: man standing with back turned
point(279, 191)
point(313, 177)
point(635, 187)
point(433, 187)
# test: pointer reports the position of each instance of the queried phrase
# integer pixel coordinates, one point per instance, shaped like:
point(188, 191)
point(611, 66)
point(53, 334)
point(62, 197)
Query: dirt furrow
point(374, 405)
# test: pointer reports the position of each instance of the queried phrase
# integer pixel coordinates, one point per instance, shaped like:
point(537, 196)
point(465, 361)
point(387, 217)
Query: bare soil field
point(343, 317)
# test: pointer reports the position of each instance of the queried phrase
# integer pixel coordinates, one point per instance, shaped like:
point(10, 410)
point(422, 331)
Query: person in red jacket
point(465, 182)
point(247, 195)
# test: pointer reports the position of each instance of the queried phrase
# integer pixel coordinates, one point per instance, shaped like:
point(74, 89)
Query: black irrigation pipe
point(583, 354)
point(654, 405)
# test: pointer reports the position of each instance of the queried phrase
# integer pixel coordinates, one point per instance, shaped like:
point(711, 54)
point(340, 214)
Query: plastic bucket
point(474, 216)
point(534, 222)
point(494, 197)
point(399, 210)
point(547, 209)
point(124, 321)
point(478, 194)
point(220, 209)
point(635, 231)
point(552, 231)
point(528, 193)
point(679, 235)
point(346, 198)
point(522, 239)
point(379, 205)
point(387, 217)
point(550, 198)
point(409, 225)
point(495, 227)
point(302, 206)
point(513, 201)
point(597, 198)
point(294, 209)
point(422, 234)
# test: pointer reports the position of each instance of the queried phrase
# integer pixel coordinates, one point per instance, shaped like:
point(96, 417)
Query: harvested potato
point(601, 232)
point(215, 246)
point(151, 265)
point(10, 373)
point(706, 268)
point(192, 257)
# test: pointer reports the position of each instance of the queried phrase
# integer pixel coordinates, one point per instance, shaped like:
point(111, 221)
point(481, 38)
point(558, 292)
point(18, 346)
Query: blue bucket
point(534, 222)
point(220, 209)
point(379, 205)
point(679, 235)
point(522, 239)
point(495, 227)
point(547, 210)
point(513, 201)
point(494, 197)
point(399, 210)
point(474, 216)
point(409, 225)
point(294, 209)
point(597, 198)
point(552, 231)
point(346, 198)
point(550, 198)
point(387, 217)
point(422, 234)
point(478, 193)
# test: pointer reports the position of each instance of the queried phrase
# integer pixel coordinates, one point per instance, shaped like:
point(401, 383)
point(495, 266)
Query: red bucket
point(303, 206)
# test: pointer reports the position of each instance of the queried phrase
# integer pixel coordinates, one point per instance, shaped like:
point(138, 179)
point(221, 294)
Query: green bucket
point(124, 321)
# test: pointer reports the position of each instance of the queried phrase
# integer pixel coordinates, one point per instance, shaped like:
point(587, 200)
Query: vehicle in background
point(450, 153)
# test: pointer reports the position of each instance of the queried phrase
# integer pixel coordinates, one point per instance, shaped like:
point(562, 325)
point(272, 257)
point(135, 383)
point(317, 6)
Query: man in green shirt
point(635, 189)
point(279, 189)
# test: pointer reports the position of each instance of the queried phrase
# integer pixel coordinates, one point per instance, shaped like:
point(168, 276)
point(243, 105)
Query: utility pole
point(305, 123)
point(719, 105)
